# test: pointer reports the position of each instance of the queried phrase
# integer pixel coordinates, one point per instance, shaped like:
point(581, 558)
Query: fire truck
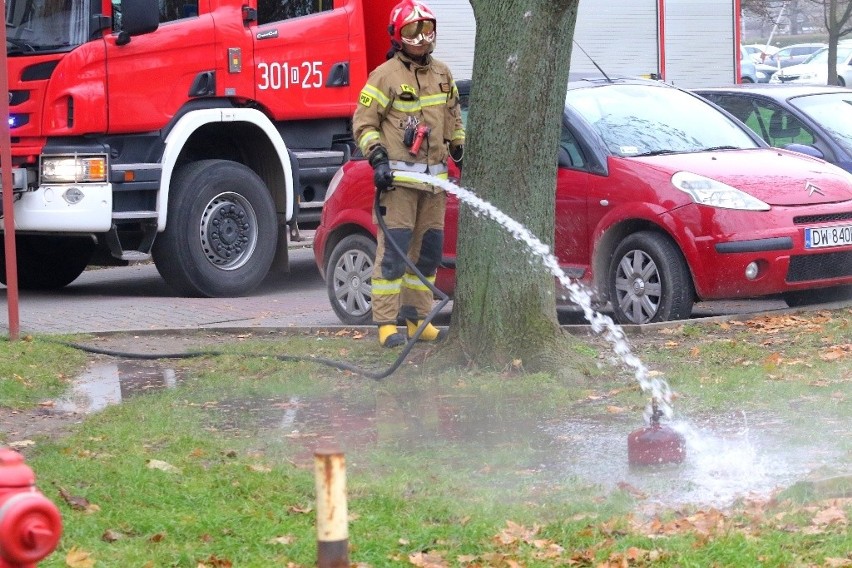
point(196, 133)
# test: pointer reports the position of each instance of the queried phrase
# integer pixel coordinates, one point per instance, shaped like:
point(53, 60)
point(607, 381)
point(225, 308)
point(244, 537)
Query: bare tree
point(837, 14)
point(505, 307)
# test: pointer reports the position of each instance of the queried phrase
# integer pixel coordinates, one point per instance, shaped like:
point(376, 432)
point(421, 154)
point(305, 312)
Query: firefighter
point(409, 120)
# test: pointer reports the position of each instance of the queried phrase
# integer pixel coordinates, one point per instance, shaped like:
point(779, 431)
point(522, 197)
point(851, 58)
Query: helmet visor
point(418, 33)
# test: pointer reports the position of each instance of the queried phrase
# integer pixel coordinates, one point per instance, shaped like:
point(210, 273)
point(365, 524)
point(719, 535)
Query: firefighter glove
point(457, 154)
point(382, 176)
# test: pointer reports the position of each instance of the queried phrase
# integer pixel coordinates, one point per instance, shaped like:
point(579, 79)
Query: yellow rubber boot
point(389, 336)
point(430, 332)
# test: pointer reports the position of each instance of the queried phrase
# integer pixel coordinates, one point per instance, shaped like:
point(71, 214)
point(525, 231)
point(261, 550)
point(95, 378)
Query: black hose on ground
point(343, 366)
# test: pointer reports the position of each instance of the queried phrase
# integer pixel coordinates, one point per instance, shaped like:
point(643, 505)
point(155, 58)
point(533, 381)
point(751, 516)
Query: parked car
point(662, 199)
point(759, 52)
point(748, 70)
point(814, 70)
point(814, 120)
point(792, 54)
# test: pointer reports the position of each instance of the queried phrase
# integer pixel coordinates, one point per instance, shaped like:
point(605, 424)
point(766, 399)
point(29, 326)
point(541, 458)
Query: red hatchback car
point(662, 200)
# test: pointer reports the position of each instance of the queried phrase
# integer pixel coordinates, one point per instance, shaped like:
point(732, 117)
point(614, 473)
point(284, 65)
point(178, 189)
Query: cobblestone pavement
point(135, 298)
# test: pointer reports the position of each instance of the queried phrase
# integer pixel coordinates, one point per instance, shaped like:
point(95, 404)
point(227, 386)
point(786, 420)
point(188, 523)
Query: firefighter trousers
point(415, 221)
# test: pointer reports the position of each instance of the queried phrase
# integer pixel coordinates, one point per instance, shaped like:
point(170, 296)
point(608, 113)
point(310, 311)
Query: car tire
point(818, 296)
point(348, 278)
point(48, 262)
point(649, 281)
point(221, 234)
point(840, 81)
point(746, 80)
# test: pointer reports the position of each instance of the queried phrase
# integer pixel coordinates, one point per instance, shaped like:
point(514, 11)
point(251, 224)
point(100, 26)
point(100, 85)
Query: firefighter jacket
point(402, 94)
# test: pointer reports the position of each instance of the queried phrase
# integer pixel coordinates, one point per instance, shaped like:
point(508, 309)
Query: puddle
point(504, 440)
point(110, 382)
point(727, 458)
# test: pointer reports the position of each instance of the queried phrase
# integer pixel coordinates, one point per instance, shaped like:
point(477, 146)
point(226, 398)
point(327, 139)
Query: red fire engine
point(187, 131)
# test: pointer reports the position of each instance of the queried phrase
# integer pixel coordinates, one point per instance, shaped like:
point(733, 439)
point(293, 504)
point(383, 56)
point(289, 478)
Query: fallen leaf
point(74, 501)
point(162, 466)
point(77, 558)
point(111, 535)
point(427, 560)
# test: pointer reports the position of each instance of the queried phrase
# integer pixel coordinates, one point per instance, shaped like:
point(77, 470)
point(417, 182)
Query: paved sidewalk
point(135, 298)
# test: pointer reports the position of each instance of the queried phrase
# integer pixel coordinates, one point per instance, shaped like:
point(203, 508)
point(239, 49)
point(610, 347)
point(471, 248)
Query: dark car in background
point(792, 54)
point(815, 120)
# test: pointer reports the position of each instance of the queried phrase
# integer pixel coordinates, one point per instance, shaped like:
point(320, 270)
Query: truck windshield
point(45, 25)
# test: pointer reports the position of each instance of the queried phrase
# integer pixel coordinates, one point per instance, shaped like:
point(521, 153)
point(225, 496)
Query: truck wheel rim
point(352, 282)
point(228, 231)
point(638, 287)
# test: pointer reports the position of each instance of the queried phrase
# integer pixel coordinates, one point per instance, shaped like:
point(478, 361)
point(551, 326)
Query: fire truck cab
point(193, 132)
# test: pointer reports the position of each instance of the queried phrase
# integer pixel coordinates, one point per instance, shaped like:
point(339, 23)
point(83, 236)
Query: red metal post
point(8, 216)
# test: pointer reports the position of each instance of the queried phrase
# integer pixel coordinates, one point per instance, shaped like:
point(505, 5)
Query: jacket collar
point(410, 63)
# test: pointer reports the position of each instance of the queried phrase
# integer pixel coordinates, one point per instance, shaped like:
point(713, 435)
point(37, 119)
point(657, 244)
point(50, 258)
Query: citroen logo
point(811, 189)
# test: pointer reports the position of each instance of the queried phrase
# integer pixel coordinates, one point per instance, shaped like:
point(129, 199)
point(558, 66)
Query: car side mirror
point(806, 149)
point(563, 160)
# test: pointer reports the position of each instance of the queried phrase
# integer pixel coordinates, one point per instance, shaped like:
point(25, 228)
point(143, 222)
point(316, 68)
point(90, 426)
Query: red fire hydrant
point(30, 524)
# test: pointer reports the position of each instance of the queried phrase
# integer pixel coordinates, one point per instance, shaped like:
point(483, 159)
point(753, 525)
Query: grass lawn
point(208, 461)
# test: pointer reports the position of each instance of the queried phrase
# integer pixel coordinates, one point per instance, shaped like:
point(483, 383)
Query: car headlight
point(73, 169)
point(707, 191)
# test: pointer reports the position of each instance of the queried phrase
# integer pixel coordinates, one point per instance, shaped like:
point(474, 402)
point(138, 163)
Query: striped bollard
point(332, 514)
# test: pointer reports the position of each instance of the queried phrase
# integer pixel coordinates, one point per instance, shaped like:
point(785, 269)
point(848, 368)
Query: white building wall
point(619, 35)
point(456, 35)
point(623, 38)
point(699, 43)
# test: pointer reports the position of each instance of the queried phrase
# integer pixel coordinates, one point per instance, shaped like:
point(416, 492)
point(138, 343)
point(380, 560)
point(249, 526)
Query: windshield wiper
point(20, 44)
point(714, 148)
point(655, 153)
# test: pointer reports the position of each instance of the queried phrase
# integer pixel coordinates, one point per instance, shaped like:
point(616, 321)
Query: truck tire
point(221, 231)
point(649, 280)
point(347, 279)
point(48, 262)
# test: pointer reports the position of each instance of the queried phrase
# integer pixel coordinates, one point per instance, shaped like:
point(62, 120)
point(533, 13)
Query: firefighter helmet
point(412, 22)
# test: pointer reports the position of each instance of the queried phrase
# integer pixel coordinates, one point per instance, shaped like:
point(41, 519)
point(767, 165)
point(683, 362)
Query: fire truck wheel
point(48, 262)
point(221, 231)
point(347, 279)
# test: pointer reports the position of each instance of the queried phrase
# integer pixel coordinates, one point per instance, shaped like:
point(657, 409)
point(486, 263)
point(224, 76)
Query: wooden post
point(332, 513)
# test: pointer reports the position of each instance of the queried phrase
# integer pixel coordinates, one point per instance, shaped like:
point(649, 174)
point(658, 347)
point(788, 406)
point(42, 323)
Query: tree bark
point(504, 305)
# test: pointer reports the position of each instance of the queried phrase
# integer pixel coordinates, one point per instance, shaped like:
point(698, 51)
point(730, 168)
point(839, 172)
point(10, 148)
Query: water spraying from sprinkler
point(658, 388)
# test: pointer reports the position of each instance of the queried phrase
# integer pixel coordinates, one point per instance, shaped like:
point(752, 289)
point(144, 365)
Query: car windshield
point(833, 111)
point(821, 56)
point(45, 25)
point(635, 120)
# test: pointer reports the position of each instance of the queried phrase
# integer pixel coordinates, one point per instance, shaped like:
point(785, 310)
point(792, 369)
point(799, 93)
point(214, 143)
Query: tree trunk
point(504, 304)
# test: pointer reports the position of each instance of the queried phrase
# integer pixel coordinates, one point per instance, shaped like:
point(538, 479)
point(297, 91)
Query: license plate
point(828, 236)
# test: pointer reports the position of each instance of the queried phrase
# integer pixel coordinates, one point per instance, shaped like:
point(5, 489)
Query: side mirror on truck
point(138, 17)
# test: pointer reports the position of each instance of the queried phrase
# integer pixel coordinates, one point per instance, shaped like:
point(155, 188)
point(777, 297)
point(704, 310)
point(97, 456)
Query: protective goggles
point(418, 33)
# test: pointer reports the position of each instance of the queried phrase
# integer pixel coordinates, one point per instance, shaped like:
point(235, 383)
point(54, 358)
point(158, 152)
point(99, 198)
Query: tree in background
point(505, 305)
point(837, 15)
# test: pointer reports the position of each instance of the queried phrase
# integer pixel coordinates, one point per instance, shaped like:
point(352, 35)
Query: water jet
point(655, 444)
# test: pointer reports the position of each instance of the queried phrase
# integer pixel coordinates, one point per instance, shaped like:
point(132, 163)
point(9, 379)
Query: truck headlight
point(73, 169)
point(707, 191)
